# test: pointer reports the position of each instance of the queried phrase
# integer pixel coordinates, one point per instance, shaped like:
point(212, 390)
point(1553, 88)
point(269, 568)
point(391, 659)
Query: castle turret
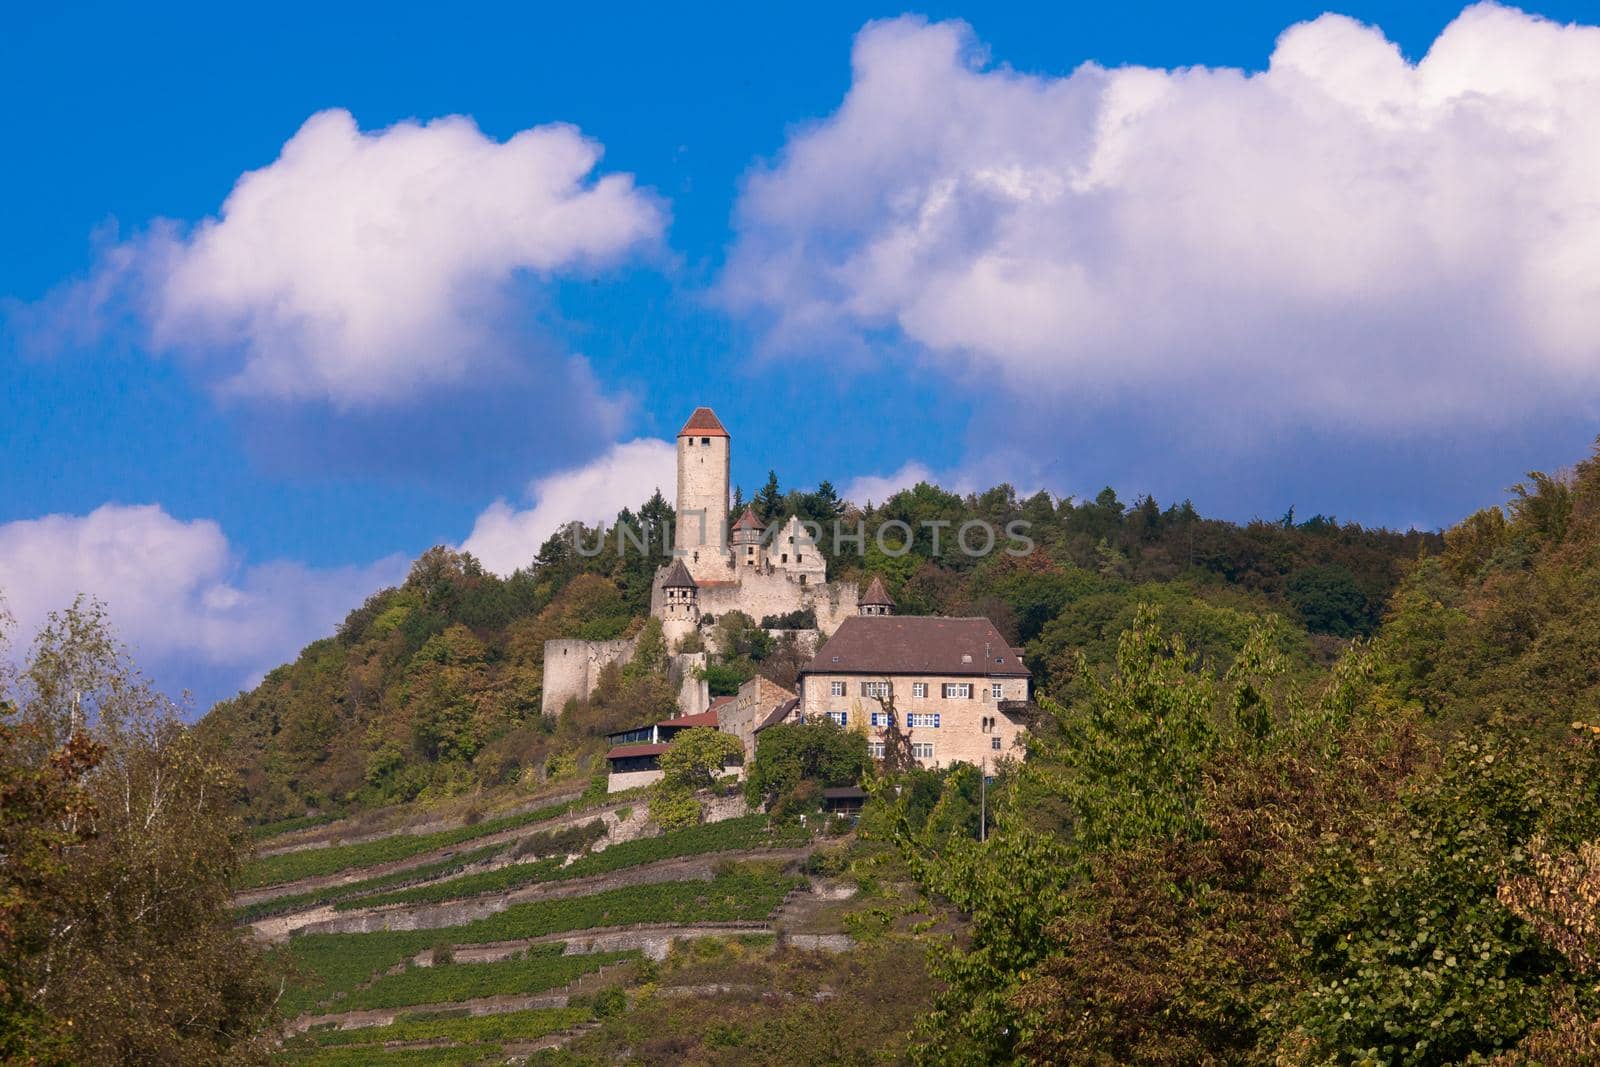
point(747, 539)
point(680, 614)
point(877, 600)
point(702, 522)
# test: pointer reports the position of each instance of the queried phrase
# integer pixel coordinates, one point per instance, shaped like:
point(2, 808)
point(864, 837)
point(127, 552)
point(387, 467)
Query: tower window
point(705, 440)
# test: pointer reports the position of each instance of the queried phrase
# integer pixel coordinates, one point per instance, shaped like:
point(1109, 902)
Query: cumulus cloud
point(359, 268)
point(876, 488)
point(505, 538)
point(1345, 237)
point(177, 592)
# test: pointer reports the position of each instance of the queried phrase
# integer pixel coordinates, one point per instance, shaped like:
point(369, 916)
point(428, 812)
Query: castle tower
point(747, 539)
point(702, 525)
point(680, 614)
point(877, 600)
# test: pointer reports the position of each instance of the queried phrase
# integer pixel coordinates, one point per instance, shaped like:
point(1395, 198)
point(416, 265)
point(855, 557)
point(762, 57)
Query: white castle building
point(744, 567)
point(716, 569)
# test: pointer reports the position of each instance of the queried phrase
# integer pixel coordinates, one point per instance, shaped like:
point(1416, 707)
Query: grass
point(732, 835)
point(542, 968)
point(261, 909)
point(316, 862)
point(506, 1026)
point(335, 964)
point(569, 839)
point(289, 826)
point(377, 1056)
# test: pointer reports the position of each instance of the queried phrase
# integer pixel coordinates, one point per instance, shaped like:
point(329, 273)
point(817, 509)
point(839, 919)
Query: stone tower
point(877, 601)
point(747, 547)
point(681, 614)
point(702, 527)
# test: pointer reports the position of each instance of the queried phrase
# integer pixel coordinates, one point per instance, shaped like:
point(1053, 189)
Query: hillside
point(433, 688)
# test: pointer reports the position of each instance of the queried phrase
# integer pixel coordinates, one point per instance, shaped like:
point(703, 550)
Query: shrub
point(673, 808)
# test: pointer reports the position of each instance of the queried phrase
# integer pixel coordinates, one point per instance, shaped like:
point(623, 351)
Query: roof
point(916, 644)
point(877, 594)
point(703, 423)
point(678, 577)
point(704, 718)
point(624, 751)
point(777, 714)
point(844, 792)
point(748, 521)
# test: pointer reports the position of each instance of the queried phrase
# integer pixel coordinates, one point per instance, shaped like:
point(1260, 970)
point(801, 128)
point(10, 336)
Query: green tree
point(788, 754)
point(696, 757)
point(132, 952)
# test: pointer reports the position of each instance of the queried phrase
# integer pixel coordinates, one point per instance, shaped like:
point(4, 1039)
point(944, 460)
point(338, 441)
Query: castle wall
point(769, 591)
point(572, 668)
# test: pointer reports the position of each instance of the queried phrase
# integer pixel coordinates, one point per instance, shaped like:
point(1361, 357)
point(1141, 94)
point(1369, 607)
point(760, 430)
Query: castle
point(716, 569)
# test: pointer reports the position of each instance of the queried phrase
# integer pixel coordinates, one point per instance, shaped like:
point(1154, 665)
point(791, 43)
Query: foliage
point(788, 754)
point(119, 843)
point(540, 968)
point(331, 859)
point(334, 964)
point(695, 758)
point(730, 835)
point(673, 807)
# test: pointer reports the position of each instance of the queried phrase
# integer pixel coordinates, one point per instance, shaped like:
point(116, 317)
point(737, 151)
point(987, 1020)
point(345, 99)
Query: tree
point(791, 753)
point(126, 819)
point(696, 757)
point(768, 501)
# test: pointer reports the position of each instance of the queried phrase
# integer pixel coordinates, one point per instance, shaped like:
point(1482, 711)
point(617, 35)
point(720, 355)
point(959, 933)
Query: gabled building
point(961, 691)
point(635, 755)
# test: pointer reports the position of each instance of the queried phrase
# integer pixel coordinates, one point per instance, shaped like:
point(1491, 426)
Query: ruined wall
point(572, 667)
point(750, 705)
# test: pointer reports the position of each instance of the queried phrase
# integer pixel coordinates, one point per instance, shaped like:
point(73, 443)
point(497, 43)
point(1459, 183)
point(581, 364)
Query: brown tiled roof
point(703, 423)
point(678, 577)
point(704, 718)
point(624, 751)
point(877, 594)
point(913, 644)
point(778, 714)
point(748, 521)
point(717, 703)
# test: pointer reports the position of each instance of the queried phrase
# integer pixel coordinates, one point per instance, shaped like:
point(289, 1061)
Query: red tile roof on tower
point(678, 577)
point(703, 423)
point(877, 594)
point(748, 521)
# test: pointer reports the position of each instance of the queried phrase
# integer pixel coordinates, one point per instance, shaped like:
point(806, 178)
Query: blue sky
point(945, 260)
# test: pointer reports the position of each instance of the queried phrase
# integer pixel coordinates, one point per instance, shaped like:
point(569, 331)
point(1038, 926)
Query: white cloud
point(504, 538)
point(361, 267)
point(175, 591)
point(876, 488)
point(1343, 238)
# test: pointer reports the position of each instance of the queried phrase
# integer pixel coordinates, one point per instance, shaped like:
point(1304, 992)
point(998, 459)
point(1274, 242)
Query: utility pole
point(983, 800)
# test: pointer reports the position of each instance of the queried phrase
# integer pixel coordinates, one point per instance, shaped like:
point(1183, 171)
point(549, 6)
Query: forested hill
point(434, 686)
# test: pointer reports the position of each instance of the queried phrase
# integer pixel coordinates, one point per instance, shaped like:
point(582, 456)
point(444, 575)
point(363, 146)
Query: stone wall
point(572, 670)
point(759, 592)
point(572, 667)
point(750, 705)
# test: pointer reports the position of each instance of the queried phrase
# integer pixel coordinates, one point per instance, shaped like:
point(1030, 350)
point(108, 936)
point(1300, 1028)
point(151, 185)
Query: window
point(922, 749)
point(929, 719)
point(705, 440)
point(836, 688)
point(875, 749)
point(958, 690)
point(919, 689)
point(875, 690)
point(996, 690)
point(785, 557)
point(994, 743)
point(840, 717)
point(881, 718)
